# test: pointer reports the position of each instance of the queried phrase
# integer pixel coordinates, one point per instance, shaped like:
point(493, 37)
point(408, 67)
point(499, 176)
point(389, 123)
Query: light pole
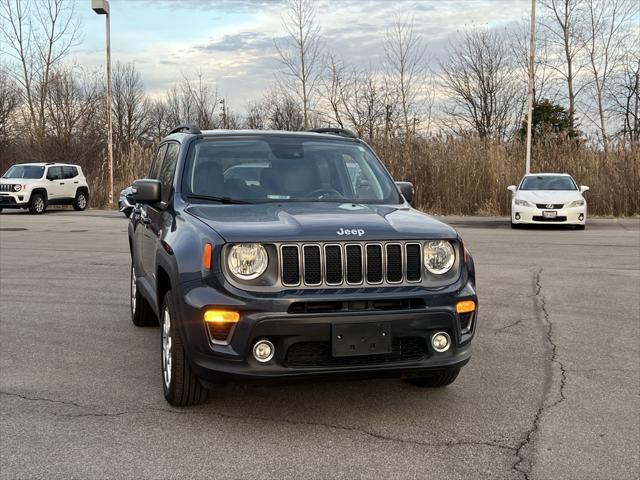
point(101, 7)
point(532, 52)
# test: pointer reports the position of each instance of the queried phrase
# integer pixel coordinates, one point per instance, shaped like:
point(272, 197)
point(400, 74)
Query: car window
point(155, 163)
point(69, 172)
point(548, 182)
point(287, 169)
point(167, 170)
point(55, 173)
point(24, 171)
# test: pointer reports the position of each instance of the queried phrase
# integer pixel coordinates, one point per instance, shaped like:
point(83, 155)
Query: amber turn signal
point(221, 316)
point(207, 254)
point(465, 306)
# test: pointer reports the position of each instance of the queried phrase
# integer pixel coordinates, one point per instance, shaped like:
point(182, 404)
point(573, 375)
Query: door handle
point(61, 183)
point(76, 182)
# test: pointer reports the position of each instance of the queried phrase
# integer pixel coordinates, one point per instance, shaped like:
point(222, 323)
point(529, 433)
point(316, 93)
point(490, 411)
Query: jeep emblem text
point(345, 231)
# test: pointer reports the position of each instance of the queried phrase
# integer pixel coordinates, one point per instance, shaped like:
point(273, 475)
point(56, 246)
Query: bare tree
point(604, 41)
point(563, 23)
point(74, 115)
point(300, 56)
point(484, 95)
point(627, 97)
point(365, 103)
point(37, 41)
point(333, 84)
point(257, 114)
point(128, 105)
point(9, 103)
point(283, 112)
point(405, 53)
point(193, 101)
point(157, 119)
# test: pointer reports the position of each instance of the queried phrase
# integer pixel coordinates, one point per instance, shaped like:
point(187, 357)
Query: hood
point(319, 222)
point(21, 181)
point(549, 196)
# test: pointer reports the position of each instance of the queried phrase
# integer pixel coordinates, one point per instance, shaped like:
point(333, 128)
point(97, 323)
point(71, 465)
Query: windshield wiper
point(217, 199)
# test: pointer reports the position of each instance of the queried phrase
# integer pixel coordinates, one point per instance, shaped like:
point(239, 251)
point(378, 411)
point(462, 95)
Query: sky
point(232, 41)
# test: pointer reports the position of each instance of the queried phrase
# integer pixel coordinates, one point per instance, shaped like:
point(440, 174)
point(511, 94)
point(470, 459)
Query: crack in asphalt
point(377, 436)
point(524, 464)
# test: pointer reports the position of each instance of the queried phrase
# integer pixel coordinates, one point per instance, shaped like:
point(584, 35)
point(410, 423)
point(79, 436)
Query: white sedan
point(548, 198)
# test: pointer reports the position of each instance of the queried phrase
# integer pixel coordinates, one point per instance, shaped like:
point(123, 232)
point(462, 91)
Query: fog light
point(263, 351)
point(581, 217)
point(441, 341)
point(517, 216)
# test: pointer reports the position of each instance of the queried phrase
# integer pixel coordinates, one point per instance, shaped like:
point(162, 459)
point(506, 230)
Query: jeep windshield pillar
point(270, 255)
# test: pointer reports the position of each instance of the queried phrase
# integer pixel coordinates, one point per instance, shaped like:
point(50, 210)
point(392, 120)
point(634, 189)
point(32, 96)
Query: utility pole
point(532, 52)
point(101, 7)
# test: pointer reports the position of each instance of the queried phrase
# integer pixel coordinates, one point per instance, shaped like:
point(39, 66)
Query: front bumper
point(15, 199)
point(564, 216)
point(302, 341)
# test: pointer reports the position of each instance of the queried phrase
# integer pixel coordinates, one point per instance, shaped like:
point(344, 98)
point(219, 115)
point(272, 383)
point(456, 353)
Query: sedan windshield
point(24, 171)
point(548, 182)
point(286, 169)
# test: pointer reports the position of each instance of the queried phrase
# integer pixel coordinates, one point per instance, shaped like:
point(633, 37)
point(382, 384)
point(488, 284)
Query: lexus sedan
point(548, 198)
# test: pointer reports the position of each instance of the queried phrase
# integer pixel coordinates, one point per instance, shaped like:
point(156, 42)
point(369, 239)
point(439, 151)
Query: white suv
point(36, 185)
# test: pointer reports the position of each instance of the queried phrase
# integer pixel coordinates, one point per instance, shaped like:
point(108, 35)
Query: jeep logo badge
point(345, 231)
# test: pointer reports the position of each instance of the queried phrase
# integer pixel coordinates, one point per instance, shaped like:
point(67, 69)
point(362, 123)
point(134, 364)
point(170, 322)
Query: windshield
point(548, 182)
point(24, 171)
point(287, 169)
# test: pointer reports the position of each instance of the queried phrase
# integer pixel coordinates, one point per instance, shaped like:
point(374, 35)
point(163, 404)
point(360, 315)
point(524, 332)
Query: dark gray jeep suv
point(287, 255)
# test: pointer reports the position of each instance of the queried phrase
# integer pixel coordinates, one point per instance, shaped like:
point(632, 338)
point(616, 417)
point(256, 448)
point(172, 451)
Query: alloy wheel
point(166, 348)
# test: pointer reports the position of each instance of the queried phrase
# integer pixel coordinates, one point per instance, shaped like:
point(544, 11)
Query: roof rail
point(334, 131)
point(186, 128)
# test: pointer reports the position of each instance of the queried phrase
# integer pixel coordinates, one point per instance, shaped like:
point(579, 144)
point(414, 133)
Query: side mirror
point(146, 191)
point(512, 188)
point(407, 190)
point(583, 188)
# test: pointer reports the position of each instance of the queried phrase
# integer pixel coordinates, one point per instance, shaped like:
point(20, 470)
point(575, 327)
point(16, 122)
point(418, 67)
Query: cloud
point(243, 42)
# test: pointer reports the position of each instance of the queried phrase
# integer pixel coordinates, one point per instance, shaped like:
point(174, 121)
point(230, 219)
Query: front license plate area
point(351, 339)
point(547, 214)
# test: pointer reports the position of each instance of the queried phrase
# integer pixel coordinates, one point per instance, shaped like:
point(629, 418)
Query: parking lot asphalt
point(552, 391)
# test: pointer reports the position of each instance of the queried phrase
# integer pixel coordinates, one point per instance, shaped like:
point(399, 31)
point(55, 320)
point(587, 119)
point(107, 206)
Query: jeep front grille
point(334, 264)
point(5, 187)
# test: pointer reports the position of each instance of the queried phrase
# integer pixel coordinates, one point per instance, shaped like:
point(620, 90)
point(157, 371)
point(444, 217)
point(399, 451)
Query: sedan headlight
point(247, 260)
point(17, 188)
point(576, 203)
point(522, 203)
point(438, 256)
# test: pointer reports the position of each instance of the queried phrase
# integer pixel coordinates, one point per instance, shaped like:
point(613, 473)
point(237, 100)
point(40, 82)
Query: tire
point(37, 204)
point(141, 312)
point(180, 385)
point(0, 209)
point(81, 201)
point(440, 378)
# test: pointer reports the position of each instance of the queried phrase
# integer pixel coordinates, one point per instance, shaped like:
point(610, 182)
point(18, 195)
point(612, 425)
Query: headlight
point(438, 256)
point(17, 188)
point(247, 260)
point(576, 203)
point(522, 203)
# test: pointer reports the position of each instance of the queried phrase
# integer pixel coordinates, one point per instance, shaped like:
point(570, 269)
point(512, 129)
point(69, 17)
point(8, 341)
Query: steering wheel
point(323, 192)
